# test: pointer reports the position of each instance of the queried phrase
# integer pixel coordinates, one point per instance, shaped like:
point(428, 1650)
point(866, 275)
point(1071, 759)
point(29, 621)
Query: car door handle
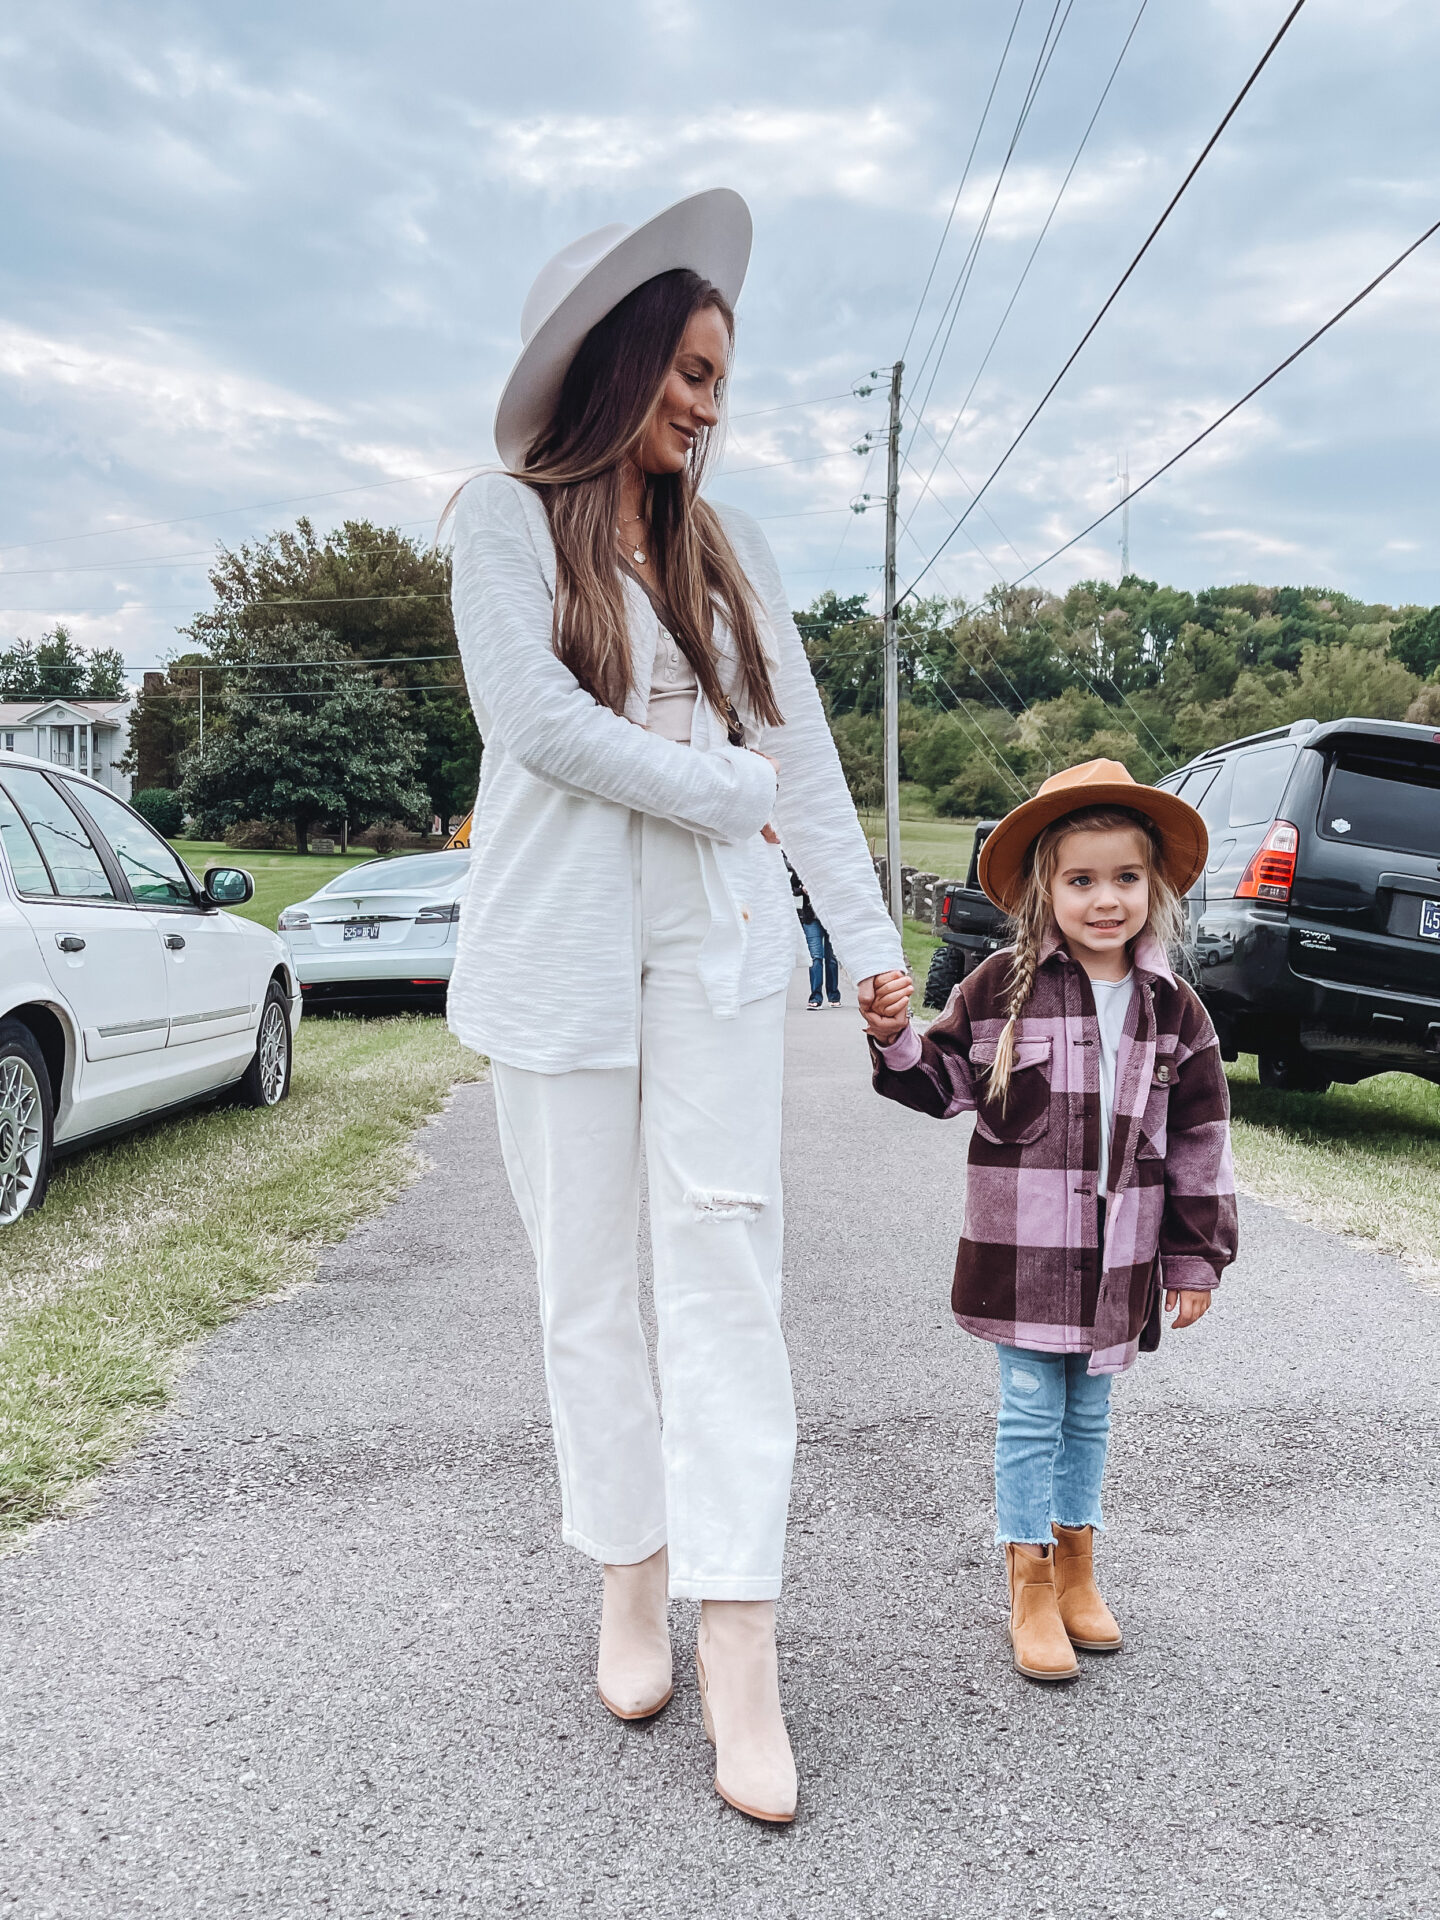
point(69, 943)
point(175, 941)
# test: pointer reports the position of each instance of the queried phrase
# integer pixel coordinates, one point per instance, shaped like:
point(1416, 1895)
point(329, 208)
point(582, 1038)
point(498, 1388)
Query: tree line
point(1022, 682)
point(332, 693)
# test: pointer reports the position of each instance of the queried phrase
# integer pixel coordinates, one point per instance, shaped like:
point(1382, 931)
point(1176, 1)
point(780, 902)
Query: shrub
point(162, 807)
point(260, 835)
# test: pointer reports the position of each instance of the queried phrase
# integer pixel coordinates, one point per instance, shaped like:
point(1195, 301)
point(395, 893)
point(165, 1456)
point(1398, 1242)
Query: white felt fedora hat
point(709, 233)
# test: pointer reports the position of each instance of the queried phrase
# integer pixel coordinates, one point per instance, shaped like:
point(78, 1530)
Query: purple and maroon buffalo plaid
point(1029, 1271)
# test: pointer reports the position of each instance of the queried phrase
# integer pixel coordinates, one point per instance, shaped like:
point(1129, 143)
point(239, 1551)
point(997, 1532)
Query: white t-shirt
point(1112, 1001)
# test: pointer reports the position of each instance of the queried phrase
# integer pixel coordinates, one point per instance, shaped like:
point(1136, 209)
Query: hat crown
point(563, 273)
point(1090, 773)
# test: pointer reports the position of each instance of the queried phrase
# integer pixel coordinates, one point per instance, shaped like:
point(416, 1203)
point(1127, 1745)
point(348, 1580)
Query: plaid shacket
point(1029, 1272)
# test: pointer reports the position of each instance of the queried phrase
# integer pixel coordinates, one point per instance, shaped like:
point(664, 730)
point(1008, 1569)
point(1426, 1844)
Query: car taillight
point(945, 911)
point(1271, 873)
point(293, 919)
point(427, 916)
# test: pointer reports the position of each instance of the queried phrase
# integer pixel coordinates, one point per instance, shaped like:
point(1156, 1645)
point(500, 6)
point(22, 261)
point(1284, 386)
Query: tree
point(57, 668)
point(382, 596)
point(1416, 642)
point(162, 807)
point(313, 738)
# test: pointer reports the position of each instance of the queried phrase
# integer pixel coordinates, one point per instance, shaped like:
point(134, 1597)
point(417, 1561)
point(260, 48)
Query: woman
point(648, 711)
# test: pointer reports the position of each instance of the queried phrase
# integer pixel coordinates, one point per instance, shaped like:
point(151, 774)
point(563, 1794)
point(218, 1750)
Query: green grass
point(143, 1246)
point(934, 846)
point(280, 878)
point(1362, 1159)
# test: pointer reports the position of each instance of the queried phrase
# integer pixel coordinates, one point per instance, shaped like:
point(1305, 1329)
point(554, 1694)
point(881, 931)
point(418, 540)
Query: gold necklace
point(637, 554)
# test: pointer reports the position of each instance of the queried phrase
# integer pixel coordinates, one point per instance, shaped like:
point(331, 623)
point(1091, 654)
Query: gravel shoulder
point(316, 1648)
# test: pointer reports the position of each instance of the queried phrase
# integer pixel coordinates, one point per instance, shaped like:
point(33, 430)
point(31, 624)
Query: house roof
point(100, 713)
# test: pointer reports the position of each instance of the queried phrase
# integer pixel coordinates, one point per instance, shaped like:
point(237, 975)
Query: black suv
point(1316, 923)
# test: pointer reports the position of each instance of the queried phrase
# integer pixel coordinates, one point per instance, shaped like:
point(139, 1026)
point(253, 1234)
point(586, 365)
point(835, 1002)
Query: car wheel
point(267, 1078)
point(947, 970)
point(1292, 1072)
point(27, 1122)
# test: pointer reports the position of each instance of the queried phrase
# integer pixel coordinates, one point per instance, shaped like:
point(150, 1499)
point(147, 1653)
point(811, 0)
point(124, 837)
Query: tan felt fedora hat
point(1094, 783)
point(708, 232)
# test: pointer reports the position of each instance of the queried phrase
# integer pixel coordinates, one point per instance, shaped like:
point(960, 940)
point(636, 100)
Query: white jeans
point(714, 1482)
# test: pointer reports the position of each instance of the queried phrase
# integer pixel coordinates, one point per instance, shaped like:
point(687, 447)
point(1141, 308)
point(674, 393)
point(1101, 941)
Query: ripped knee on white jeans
point(714, 1203)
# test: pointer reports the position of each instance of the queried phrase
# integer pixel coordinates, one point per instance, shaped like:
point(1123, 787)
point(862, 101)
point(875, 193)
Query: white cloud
point(865, 154)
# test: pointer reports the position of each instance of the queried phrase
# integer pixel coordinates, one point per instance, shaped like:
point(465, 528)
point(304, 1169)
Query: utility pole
point(895, 901)
point(202, 706)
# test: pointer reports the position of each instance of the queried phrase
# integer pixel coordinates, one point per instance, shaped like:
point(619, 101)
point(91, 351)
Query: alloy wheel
point(22, 1137)
point(274, 1053)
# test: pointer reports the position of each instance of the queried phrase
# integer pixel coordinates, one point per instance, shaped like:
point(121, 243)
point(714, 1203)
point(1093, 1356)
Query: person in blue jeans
point(824, 967)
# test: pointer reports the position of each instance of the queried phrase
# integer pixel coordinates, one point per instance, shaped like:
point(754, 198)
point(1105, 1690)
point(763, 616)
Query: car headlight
point(293, 919)
point(428, 916)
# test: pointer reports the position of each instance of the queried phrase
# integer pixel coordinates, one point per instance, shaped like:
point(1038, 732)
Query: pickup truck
point(970, 927)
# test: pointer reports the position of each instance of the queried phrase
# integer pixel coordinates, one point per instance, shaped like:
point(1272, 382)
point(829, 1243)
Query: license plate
point(1430, 919)
point(361, 930)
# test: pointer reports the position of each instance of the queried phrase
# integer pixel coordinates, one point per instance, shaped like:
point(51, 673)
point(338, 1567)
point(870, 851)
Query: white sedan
point(382, 931)
point(126, 990)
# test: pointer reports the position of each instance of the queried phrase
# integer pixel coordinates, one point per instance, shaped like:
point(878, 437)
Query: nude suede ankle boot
point(740, 1706)
point(633, 1673)
point(1037, 1633)
point(1088, 1621)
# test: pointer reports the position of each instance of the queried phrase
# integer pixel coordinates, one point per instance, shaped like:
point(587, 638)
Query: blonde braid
point(1023, 967)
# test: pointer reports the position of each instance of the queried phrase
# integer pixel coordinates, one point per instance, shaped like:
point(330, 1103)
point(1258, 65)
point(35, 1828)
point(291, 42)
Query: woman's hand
point(767, 832)
point(885, 1005)
point(1192, 1302)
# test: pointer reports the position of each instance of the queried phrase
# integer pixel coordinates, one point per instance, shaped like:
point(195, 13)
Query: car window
point(1259, 782)
point(1199, 783)
point(156, 876)
point(1214, 802)
point(1384, 797)
point(31, 873)
point(70, 853)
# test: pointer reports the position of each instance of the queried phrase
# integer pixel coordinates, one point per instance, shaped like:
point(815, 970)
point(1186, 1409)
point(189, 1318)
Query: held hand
point(885, 1004)
point(1192, 1302)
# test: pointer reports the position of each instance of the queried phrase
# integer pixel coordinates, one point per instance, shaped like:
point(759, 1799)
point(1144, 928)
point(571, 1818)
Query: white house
point(88, 735)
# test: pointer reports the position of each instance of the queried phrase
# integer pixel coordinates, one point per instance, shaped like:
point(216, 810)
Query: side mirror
point(228, 887)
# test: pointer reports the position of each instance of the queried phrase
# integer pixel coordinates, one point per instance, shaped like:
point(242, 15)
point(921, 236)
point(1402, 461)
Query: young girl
point(1099, 1166)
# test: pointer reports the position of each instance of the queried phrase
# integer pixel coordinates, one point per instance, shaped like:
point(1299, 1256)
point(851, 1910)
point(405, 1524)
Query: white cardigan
point(546, 973)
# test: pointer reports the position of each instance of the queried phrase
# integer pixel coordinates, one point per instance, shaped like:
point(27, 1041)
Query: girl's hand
point(1192, 1302)
point(885, 1005)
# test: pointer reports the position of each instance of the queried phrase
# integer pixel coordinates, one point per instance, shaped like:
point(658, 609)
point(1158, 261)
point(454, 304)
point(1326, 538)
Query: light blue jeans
point(1051, 1437)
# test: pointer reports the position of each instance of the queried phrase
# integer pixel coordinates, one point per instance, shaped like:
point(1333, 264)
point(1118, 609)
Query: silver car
point(382, 931)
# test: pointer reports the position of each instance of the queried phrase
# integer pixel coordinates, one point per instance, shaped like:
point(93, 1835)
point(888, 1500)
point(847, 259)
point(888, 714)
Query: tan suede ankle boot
point(1088, 1621)
point(633, 1672)
point(1037, 1633)
point(740, 1705)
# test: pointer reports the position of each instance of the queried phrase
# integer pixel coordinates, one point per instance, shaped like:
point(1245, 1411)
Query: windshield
point(1384, 796)
point(399, 876)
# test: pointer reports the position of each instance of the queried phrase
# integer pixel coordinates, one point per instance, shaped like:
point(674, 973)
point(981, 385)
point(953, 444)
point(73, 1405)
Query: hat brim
point(1183, 834)
point(709, 232)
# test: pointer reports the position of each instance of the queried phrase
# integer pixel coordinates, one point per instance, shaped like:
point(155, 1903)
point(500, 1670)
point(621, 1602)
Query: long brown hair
point(1031, 920)
point(611, 389)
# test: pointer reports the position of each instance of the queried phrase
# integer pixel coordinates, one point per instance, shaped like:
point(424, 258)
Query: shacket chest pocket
point(1025, 1117)
point(1155, 1120)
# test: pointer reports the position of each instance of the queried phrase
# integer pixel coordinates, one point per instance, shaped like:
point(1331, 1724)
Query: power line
point(1054, 209)
point(1175, 199)
point(965, 175)
point(1274, 373)
point(967, 267)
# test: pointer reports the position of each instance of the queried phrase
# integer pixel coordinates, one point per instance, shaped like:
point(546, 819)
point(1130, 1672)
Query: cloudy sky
point(269, 259)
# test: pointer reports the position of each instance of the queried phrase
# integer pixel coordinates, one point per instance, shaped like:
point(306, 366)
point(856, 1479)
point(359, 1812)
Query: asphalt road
point(316, 1648)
